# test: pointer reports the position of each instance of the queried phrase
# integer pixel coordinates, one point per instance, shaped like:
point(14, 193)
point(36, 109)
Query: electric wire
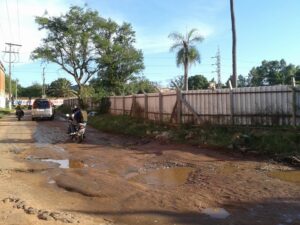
point(18, 17)
point(9, 23)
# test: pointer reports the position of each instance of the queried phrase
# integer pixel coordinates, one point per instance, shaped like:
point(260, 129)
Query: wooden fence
point(272, 105)
point(268, 106)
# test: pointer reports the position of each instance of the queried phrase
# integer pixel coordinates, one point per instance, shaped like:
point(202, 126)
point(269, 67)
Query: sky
point(266, 30)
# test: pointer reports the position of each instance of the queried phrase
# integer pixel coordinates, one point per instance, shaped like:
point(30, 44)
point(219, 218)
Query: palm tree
point(234, 73)
point(187, 53)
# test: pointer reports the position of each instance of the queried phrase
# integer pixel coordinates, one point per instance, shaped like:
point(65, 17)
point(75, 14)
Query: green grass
point(264, 141)
point(4, 112)
point(125, 125)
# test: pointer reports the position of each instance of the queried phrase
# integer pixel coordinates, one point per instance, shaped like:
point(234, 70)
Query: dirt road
point(47, 179)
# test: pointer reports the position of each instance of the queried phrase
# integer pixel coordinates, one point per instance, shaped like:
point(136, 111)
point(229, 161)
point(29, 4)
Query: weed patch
point(264, 141)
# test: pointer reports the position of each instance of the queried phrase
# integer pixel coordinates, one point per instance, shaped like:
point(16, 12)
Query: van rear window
point(41, 105)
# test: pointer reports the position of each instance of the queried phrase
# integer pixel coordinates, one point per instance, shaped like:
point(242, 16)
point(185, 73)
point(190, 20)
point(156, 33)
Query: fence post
point(294, 102)
point(160, 107)
point(146, 106)
point(179, 106)
point(133, 105)
point(123, 105)
point(231, 103)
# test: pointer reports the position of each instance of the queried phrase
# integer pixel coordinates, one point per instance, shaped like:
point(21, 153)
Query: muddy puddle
point(66, 163)
point(228, 169)
point(292, 176)
point(168, 177)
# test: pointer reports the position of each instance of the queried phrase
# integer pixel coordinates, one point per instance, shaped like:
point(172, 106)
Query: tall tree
point(234, 72)
point(197, 82)
point(187, 53)
point(85, 44)
point(70, 42)
point(120, 61)
point(60, 88)
point(34, 90)
point(141, 85)
point(273, 73)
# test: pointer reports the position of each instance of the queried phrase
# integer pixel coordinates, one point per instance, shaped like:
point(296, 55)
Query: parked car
point(42, 109)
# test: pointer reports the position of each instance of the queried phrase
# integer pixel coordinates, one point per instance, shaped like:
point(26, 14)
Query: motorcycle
point(76, 130)
point(19, 114)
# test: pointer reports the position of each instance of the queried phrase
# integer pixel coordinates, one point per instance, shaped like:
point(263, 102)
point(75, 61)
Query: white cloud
point(22, 29)
point(159, 42)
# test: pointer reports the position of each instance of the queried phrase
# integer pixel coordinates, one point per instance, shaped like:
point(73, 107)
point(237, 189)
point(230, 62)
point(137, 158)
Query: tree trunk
point(186, 67)
point(234, 73)
point(185, 78)
point(79, 97)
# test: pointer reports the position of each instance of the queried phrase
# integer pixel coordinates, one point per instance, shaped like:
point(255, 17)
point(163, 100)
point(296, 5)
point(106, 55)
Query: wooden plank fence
point(267, 106)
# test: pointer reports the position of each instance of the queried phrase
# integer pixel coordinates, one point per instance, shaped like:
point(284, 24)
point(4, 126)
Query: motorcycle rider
point(19, 110)
point(79, 116)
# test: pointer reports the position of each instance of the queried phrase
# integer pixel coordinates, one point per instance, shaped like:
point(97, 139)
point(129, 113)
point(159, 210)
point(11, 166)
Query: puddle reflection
point(216, 213)
point(66, 163)
point(289, 176)
point(172, 176)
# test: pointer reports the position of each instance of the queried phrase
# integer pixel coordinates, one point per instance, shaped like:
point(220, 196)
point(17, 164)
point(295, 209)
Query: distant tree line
point(270, 73)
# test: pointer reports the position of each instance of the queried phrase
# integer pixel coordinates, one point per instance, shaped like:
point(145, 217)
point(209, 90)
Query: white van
point(42, 109)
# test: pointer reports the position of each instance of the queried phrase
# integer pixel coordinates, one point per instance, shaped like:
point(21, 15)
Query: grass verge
point(4, 112)
point(278, 143)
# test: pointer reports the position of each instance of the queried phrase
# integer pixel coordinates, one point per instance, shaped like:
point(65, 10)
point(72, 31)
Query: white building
point(2, 86)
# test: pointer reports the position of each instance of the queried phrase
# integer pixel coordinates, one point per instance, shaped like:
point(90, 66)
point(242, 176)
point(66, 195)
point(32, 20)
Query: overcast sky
point(266, 29)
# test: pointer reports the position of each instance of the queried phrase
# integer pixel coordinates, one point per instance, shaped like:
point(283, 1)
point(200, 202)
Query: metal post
point(9, 67)
point(16, 89)
point(179, 107)
point(231, 103)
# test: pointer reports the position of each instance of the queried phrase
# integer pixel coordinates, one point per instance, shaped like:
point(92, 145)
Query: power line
point(19, 36)
point(10, 51)
point(9, 23)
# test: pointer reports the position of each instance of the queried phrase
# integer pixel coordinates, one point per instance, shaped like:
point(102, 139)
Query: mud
point(112, 179)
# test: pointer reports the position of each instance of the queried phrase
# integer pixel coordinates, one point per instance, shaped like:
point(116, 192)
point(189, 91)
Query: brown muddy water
point(66, 163)
point(167, 177)
point(292, 176)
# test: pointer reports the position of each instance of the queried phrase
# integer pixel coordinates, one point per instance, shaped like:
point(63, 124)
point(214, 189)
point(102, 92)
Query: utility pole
point(10, 51)
point(43, 89)
point(17, 89)
point(218, 70)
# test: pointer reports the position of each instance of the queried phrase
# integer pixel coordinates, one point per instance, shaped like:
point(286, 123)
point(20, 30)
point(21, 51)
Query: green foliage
point(35, 90)
point(272, 142)
point(86, 92)
point(85, 44)
point(139, 86)
point(273, 73)
point(124, 124)
point(60, 88)
point(120, 60)
point(13, 85)
point(197, 82)
point(70, 42)
point(4, 112)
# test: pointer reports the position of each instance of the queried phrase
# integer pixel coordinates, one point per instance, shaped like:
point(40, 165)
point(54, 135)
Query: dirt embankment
point(46, 179)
